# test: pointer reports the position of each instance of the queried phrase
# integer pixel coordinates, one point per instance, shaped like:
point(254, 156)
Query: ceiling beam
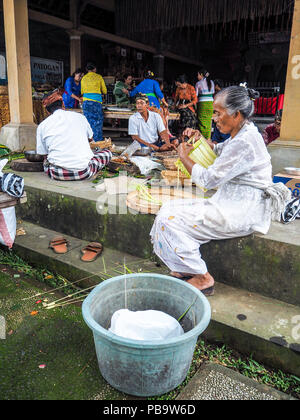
point(66, 24)
point(115, 38)
point(50, 20)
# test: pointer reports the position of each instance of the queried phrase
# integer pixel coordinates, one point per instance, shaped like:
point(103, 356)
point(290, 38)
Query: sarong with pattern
point(205, 112)
point(94, 114)
point(97, 162)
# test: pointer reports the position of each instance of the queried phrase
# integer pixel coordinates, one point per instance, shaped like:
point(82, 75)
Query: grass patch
point(49, 356)
point(204, 351)
point(247, 366)
point(13, 261)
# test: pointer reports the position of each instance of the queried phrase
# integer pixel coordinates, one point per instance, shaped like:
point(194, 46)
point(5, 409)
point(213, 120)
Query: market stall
point(39, 112)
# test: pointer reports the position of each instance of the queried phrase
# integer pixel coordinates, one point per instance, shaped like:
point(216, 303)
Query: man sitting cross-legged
point(64, 139)
point(147, 129)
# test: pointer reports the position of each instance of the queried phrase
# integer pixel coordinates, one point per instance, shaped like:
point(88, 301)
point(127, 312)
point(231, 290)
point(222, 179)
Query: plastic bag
point(8, 223)
point(132, 148)
point(145, 164)
point(145, 325)
point(8, 226)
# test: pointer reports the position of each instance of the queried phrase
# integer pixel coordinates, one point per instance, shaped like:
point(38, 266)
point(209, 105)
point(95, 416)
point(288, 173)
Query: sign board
point(139, 56)
point(42, 70)
point(47, 71)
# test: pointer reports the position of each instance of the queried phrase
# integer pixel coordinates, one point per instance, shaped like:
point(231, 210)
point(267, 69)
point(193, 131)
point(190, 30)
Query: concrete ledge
point(34, 248)
point(284, 154)
point(18, 136)
point(265, 264)
point(249, 322)
point(215, 382)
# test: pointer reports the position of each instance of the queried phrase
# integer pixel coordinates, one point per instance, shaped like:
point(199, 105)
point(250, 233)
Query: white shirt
point(203, 93)
point(148, 131)
point(63, 136)
point(240, 163)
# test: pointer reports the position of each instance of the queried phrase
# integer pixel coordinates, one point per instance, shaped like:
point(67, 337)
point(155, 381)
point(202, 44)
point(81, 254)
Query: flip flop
point(91, 252)
point(184, 278)
point(59, 244)
point(210, 291)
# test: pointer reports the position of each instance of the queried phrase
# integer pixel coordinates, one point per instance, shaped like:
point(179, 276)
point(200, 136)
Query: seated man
point(145, 127)
point(272, 131)
point(64, 139)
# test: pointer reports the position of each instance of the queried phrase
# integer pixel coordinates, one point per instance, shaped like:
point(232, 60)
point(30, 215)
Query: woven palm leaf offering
point(201, 154)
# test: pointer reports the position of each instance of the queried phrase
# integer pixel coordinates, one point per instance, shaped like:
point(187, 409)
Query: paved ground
point(50, 355)
point(251, 322)
point(215, 382)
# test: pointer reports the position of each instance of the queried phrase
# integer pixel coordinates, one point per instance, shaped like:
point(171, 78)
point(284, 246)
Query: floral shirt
point(188, 95)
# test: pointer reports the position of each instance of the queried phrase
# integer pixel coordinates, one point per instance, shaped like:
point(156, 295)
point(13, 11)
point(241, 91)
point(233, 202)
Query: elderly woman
point(244, 202)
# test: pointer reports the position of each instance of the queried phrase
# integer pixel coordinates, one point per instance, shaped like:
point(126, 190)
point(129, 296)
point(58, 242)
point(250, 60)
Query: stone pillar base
point(284, 154)
point(18, 137)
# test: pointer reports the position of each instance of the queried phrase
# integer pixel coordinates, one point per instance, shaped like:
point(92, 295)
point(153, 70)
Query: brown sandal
point(59, 245)
point(92, 251)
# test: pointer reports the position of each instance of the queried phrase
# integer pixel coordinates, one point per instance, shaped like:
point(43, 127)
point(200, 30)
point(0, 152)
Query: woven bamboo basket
point(3, 90)
point(169, 163)
point(174, 178)
point(4, 110)
point(105, 144)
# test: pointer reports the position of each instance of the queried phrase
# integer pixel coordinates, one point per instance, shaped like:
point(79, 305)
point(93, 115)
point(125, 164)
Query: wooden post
point(75, 49)
point(159, 65)
point(286, 150)
point(75, 34)
point(20, 132)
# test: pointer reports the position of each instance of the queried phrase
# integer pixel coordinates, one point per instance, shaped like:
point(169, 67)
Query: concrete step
point(268, 265)
point(268, 329)
point(216, 382)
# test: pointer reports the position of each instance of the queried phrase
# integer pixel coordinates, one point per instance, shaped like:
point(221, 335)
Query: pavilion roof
point(149, 15)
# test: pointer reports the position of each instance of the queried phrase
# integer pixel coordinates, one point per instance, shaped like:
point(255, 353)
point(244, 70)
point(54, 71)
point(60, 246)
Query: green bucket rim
point(105, 333)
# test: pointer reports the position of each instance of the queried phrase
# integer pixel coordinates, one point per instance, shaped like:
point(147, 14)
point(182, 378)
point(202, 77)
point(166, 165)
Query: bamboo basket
point(105, 144)
point(169, 163)
point(164, 195)
point(174, 178)
point(4, 110)
point(201, 154)
point(3, 90)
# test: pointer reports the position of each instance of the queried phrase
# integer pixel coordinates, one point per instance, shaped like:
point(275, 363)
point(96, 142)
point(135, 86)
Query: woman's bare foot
point(203, 282)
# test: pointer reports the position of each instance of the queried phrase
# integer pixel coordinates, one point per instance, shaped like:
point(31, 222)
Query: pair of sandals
point(90, 252)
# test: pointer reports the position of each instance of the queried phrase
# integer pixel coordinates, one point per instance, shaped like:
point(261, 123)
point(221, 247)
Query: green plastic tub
point(145, 368)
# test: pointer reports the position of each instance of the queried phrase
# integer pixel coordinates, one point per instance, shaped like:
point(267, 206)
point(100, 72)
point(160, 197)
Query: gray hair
point(238, 99)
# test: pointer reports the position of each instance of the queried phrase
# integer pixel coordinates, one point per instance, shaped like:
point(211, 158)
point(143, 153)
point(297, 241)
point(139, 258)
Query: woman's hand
point(189, 132)
point(154, 147)
point(184, 149)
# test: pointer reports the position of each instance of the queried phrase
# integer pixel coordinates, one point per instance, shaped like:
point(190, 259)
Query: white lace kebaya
point(243, 203)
